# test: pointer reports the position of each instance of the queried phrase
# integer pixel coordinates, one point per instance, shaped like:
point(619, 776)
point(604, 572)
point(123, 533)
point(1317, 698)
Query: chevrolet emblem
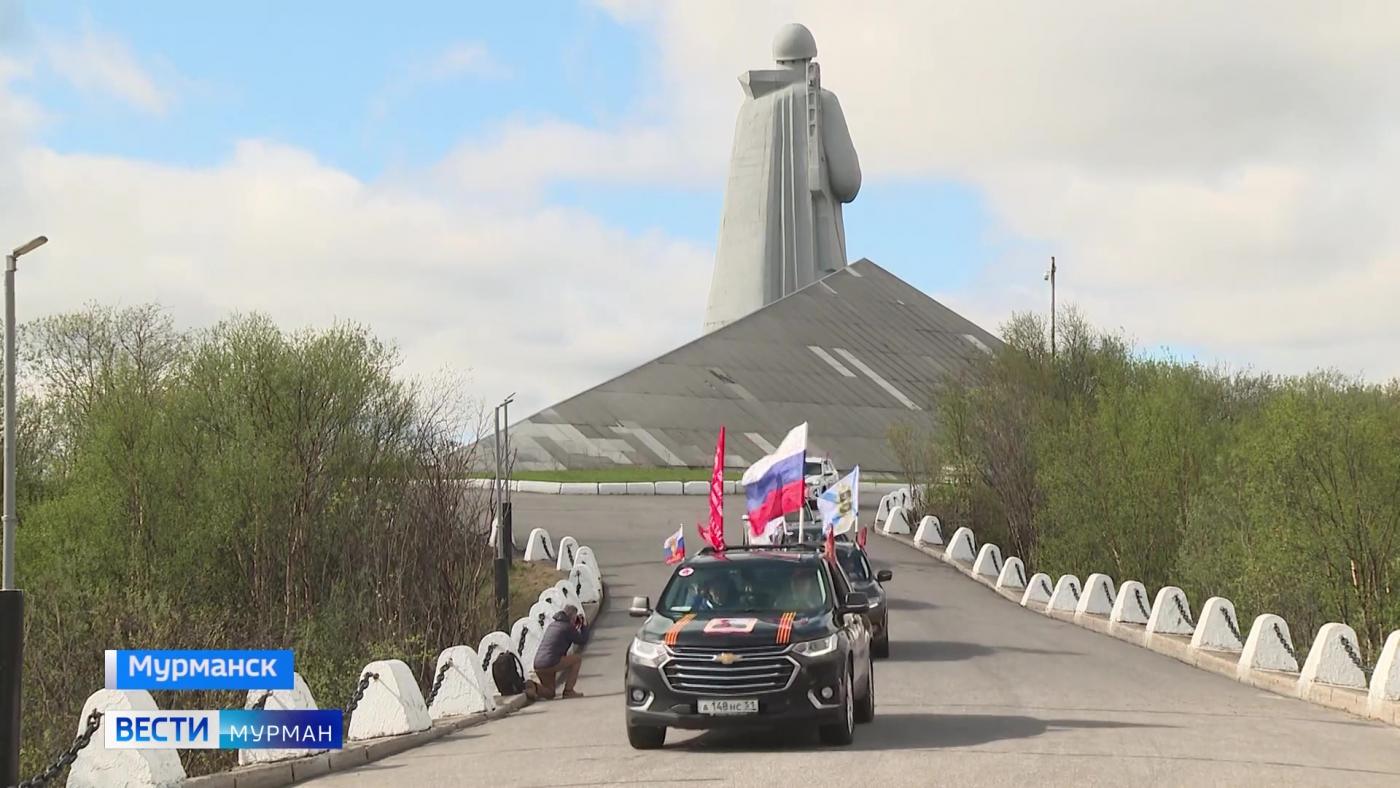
point(727, 658)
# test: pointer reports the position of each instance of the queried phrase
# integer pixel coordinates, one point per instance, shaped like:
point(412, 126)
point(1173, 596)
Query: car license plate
point(727, 706)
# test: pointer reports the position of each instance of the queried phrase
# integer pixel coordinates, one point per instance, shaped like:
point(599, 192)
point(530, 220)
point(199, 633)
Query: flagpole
point(801, 512)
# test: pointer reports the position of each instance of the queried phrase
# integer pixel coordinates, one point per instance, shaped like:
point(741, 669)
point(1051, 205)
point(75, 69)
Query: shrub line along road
point(977, 691)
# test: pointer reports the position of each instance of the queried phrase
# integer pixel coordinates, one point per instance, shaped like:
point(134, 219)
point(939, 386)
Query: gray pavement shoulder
point(272, 775)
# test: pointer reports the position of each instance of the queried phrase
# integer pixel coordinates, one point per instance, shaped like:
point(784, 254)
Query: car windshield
point(812, 468)
point(853, 564)
point(726, 587)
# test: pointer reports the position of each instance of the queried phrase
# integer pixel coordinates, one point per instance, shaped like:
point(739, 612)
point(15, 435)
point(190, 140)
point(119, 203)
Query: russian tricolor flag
point(774, 485)
point(674, 547)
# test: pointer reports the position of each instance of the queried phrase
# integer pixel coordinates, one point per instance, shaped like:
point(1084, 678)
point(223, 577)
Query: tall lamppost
point(1050, 277)
point(505, 539)
point(11, 598)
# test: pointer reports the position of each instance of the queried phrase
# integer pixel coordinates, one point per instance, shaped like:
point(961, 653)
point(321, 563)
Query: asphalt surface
point(977, 692)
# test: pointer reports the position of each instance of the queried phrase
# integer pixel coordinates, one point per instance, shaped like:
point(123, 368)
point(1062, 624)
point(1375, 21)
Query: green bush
point(1282, 494)
point(236, 487)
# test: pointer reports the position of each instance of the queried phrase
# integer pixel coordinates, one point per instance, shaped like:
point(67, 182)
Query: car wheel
point(881, 648)
point(646, 737)
point(865, 707)
point(843, 732)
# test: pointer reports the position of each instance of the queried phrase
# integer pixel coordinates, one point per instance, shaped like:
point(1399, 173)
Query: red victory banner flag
point(714, 532)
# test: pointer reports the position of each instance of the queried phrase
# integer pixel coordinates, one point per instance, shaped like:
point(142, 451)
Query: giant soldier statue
point(792, 166)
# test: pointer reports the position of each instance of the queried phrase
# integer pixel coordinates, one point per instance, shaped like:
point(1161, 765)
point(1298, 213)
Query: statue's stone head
point(794, 42)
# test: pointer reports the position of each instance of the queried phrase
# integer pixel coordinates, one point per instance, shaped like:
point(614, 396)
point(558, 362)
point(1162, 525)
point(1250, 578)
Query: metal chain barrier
point(1230, 622)
point(996, 563)
point(1045, 584)
point(437, 682)
point(1183, 612)
point(1107, 593)
point(1283, 641)
point(1021, 574)
point(1355, 658)
point(486, 660)
point(520, 647)
point(66, 758)
point(1074, 591)
point(262, 702)
point(1137, 594)
point(359, 693)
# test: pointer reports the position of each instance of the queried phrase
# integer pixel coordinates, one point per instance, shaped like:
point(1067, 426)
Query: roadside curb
point(272, 775)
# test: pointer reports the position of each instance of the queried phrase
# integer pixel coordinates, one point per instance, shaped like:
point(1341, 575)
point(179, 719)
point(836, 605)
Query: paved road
point(977, 691)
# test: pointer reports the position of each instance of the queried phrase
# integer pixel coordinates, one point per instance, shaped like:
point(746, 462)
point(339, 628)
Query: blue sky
point(504, 189)
point(376, 89)
point(359, 86)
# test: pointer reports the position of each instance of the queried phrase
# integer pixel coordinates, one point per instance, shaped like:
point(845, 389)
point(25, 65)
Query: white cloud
point(464, 59)
point(457, 61)
point(1210, 175)
point(97, 62)
point(534, 299)
point(1205, 179)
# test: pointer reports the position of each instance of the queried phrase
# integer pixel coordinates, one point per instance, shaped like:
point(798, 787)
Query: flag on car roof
point(713, 534)
point(775, 486)
point(840, 504)
point(673, 549)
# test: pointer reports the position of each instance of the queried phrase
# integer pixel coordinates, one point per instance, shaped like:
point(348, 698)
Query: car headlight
point(816, 648)
point(874, 603)
point(644, 653)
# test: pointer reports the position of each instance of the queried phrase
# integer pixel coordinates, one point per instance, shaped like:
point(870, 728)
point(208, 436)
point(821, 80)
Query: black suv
point(856, 566)
point(754, 636)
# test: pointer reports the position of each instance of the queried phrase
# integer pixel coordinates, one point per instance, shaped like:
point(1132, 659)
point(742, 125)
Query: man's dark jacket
point(558, 636)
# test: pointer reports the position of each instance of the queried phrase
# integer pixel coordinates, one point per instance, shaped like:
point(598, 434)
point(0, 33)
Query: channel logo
point(199, 670)
point(229, 729)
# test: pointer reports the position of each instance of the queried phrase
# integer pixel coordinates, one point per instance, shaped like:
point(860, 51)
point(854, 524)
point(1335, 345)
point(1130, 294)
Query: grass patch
point(527, 580)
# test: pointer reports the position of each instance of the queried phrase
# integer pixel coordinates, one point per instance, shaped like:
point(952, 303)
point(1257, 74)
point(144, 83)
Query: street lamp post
point(505, 539)
point(1050, 277)
point(11, 598)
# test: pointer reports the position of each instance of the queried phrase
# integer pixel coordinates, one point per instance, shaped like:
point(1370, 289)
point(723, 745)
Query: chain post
point(66, 758)
point(359, 694)
point(437, 682)
point(1183, 612)
point(1230, 622)
point(1137, 594)
point(1283, 641)
point(1355, 658)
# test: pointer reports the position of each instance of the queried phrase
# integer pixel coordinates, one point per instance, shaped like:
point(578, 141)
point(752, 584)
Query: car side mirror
point(640, 607)
point(884, 575)
point(856, 602)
